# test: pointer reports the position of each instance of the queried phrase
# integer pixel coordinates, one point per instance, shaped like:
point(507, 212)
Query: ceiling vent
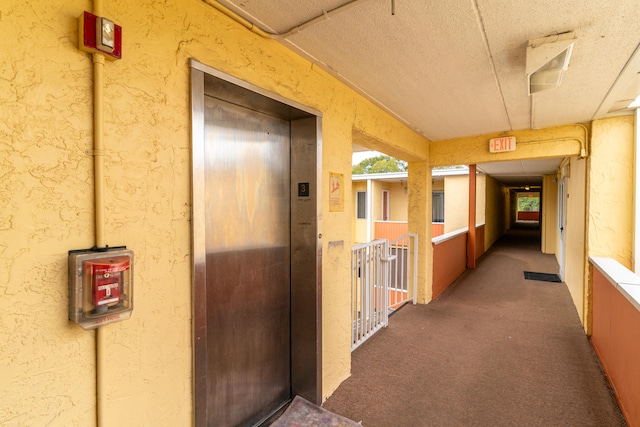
point(547, 60)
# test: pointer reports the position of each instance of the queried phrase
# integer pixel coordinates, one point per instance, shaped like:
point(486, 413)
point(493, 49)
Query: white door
point(562, 222)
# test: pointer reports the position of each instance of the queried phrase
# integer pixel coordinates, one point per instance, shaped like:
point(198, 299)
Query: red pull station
point(100, 286)
point(98, 34)
point(107, 275)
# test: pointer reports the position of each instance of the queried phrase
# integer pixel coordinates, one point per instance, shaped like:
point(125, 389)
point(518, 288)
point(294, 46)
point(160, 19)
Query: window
point(437, 206)
point(529, 203)
point(361, 204)
point(528, 207)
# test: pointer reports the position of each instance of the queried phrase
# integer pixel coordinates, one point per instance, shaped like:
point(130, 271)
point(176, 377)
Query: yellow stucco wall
point(46, 198)
point(611, 189)
point(481, 198)
point(359, 224)
point(48, 369)
point(419, 203)
point(575, 253)
point(376, 200)
point(398, 201)
point(456, 202)
point(549, 217)
point(495, 221)
point(610, 192)
point(599, 207)
point(560, 141)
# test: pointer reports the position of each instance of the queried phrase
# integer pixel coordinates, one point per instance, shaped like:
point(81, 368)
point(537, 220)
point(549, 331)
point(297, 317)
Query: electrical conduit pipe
point(98, 171)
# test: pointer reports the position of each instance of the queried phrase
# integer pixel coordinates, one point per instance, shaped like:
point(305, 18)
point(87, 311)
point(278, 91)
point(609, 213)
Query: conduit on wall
point(98, 161)
point(298, 28)
point(98, 171)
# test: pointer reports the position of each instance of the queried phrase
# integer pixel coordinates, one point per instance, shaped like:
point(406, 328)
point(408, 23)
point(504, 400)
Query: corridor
point(494, 349)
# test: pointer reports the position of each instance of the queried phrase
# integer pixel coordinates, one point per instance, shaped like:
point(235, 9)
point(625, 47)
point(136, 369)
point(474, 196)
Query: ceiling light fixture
point(635, 103)
point(547, 60)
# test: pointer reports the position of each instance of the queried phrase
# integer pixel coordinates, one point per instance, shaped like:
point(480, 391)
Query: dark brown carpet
point(493, 350)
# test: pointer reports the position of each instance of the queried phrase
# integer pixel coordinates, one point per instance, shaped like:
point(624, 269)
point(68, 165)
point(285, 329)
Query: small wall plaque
point(336, 192)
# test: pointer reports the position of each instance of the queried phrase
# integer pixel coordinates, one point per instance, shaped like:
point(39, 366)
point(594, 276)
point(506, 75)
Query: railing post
point(415, 269)
point(386, 271)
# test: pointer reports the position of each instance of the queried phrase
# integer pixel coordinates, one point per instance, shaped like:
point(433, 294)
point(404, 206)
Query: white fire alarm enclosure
point(100, 286)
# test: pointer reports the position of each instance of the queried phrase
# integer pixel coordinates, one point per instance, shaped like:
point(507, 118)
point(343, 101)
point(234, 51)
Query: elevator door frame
point(305, 225)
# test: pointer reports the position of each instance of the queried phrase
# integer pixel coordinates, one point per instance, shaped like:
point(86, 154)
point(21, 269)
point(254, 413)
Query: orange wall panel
point(437, 229)
point(449, 262)
point(616, 339)
point(528, 216)
point(390, 230)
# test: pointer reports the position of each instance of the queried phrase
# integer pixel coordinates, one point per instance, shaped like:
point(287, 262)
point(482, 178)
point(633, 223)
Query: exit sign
point(499, 145)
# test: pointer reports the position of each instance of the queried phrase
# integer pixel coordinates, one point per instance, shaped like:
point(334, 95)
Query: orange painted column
point(471, 242)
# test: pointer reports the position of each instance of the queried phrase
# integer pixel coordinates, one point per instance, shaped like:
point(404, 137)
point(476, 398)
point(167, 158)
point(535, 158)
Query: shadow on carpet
point(302, 413)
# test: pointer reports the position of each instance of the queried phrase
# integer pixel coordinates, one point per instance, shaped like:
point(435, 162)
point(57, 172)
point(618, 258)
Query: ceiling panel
point(521, 172)
point(452, 68)
point(409, 64)
point(457, 68)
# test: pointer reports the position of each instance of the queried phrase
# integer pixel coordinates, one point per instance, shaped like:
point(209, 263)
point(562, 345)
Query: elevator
point(256, 250)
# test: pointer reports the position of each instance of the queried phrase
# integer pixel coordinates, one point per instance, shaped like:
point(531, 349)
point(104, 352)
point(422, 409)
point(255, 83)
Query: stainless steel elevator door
point(247, 208)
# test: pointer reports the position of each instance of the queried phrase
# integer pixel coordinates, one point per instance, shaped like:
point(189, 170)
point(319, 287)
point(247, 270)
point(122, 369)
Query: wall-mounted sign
point(499, 145)
point(336, 192)
point(303, 189)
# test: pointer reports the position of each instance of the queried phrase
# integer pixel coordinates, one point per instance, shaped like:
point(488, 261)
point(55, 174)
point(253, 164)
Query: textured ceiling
point(457, 68)
point(520, 173)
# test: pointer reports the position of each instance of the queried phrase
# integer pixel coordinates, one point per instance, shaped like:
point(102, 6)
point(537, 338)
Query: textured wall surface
point(610, 213)
point(549, 214)
point(438, 185)
point(359, 228)
point(575, 234)
point(398, 201)
point(495, 222)
point(456, 202)
point(481, 199)
point(376, 200)
point(46, 368)
point(611, 189)
point(419, 201)
point(558, 141)
point(47, 374)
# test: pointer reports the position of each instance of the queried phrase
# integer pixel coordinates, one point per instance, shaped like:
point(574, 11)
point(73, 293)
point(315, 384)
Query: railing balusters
point(380, 283)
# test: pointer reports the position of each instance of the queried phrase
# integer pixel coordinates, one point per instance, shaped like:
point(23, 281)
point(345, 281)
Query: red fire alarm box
point(100, 286)
point(107, 278)
point(99, 34)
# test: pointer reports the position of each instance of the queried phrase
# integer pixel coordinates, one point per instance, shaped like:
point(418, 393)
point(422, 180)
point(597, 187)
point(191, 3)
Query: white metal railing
point(369, 278)
point(404, 271)
point(383, 278)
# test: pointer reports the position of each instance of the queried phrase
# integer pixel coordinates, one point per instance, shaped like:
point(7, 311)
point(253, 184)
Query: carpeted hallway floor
point(493, 350)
